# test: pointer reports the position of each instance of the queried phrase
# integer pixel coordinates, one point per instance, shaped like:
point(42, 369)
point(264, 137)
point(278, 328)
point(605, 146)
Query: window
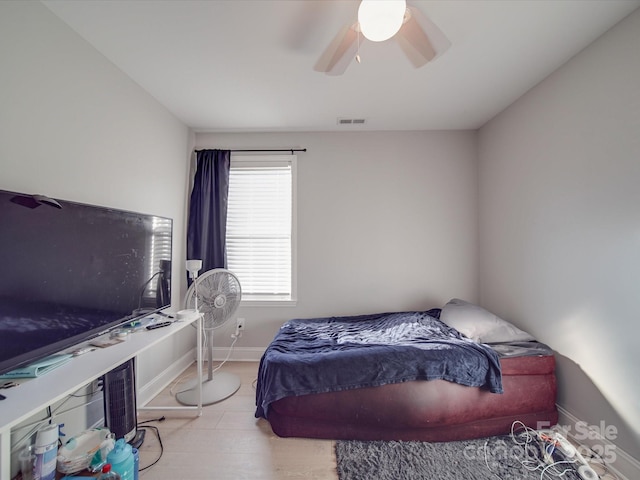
point(261, 226)
point(159, 251)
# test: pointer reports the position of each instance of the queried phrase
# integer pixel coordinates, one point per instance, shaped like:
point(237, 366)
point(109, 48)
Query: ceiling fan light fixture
point(381, 19)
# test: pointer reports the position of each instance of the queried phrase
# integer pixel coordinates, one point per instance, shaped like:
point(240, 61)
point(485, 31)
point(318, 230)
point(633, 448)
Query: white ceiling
point(247, 65)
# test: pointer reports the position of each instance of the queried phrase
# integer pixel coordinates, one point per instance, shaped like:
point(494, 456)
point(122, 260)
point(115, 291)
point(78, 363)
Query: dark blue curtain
point(207, 226)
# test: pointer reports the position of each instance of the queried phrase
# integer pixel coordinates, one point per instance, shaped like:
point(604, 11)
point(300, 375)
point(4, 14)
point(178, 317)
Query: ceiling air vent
point(351, 121)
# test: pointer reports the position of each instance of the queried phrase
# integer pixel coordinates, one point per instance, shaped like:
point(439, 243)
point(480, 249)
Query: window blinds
point(259, 227)
point(159, 247)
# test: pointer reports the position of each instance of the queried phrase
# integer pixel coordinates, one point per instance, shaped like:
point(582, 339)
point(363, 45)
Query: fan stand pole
point(210, 355)
point(215, 388)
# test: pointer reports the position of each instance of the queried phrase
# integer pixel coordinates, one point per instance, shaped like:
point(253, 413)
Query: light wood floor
point(228, 442)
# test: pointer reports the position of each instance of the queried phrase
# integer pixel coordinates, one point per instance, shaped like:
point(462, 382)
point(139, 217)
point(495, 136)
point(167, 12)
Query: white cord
point(486, 461)
point(538, 458)
point(188, 376)
point(53, 414)
point(555, 473)
point(235, 339)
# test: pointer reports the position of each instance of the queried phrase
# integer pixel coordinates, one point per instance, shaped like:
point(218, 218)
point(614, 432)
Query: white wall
point(559, 186)
point(73, 126)
point(386, 221)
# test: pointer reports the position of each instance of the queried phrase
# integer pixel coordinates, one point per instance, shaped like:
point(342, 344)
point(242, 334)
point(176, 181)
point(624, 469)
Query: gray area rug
point(494, 458)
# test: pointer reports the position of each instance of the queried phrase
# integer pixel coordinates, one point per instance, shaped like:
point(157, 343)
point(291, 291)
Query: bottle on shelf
point(121, 459)
point(46, 452)
point(108, 474)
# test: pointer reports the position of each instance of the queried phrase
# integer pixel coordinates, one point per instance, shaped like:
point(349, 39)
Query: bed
point(445, 374)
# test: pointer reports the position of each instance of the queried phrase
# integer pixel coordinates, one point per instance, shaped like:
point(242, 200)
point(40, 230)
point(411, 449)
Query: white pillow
point(478, 324)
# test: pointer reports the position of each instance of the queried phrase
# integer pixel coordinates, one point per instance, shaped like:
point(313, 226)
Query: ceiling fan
point(419, 38)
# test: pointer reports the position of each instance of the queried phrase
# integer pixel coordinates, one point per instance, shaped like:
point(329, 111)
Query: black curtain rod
point(268, 150)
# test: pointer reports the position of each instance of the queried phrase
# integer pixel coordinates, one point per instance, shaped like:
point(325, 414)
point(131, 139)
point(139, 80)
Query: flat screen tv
point(71, 271)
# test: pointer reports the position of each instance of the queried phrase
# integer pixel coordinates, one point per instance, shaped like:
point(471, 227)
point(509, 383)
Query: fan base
point(219, 388)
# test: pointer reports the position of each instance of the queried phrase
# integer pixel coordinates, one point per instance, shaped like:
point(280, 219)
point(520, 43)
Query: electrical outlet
point(239, 327)
point(240, 323)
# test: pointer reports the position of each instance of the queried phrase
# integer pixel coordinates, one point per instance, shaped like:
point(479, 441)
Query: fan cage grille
point(219, 294)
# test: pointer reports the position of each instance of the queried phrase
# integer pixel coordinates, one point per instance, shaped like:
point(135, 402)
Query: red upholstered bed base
point(430, 411)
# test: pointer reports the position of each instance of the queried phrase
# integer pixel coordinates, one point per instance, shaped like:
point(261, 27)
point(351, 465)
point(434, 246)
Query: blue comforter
point(341, 353)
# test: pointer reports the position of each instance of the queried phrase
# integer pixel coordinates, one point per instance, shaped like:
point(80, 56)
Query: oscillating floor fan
point(216, 295)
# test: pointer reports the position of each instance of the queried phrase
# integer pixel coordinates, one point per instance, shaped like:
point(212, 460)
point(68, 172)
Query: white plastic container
point(79, 452)
point(46, 451)
point(27, 459)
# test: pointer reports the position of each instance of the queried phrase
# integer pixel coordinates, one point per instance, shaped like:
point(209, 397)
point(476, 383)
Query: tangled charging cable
point(548, 443)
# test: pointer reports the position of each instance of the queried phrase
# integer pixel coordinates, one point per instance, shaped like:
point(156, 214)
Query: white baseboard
point(624, 465)
point(145, 393)
point(238, 354)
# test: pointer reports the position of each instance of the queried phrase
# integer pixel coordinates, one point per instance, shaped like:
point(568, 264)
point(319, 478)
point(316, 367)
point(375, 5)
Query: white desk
point(36, 394)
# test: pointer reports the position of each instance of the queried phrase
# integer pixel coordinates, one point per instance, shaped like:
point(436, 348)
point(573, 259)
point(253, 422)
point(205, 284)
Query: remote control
point(158, 325)
point(82, 351)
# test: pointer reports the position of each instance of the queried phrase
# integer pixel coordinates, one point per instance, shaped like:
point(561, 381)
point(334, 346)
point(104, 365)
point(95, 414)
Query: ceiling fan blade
point(338, 55)
point(420, 39)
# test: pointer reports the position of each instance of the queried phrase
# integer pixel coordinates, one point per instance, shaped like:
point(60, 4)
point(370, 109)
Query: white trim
point(291, 161)
point(294, 231)
point(625, 466)
point(268, 303)
point(146, 393)
point(239, 354)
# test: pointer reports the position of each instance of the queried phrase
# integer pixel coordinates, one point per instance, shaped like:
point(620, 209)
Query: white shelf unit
point(35, 394)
